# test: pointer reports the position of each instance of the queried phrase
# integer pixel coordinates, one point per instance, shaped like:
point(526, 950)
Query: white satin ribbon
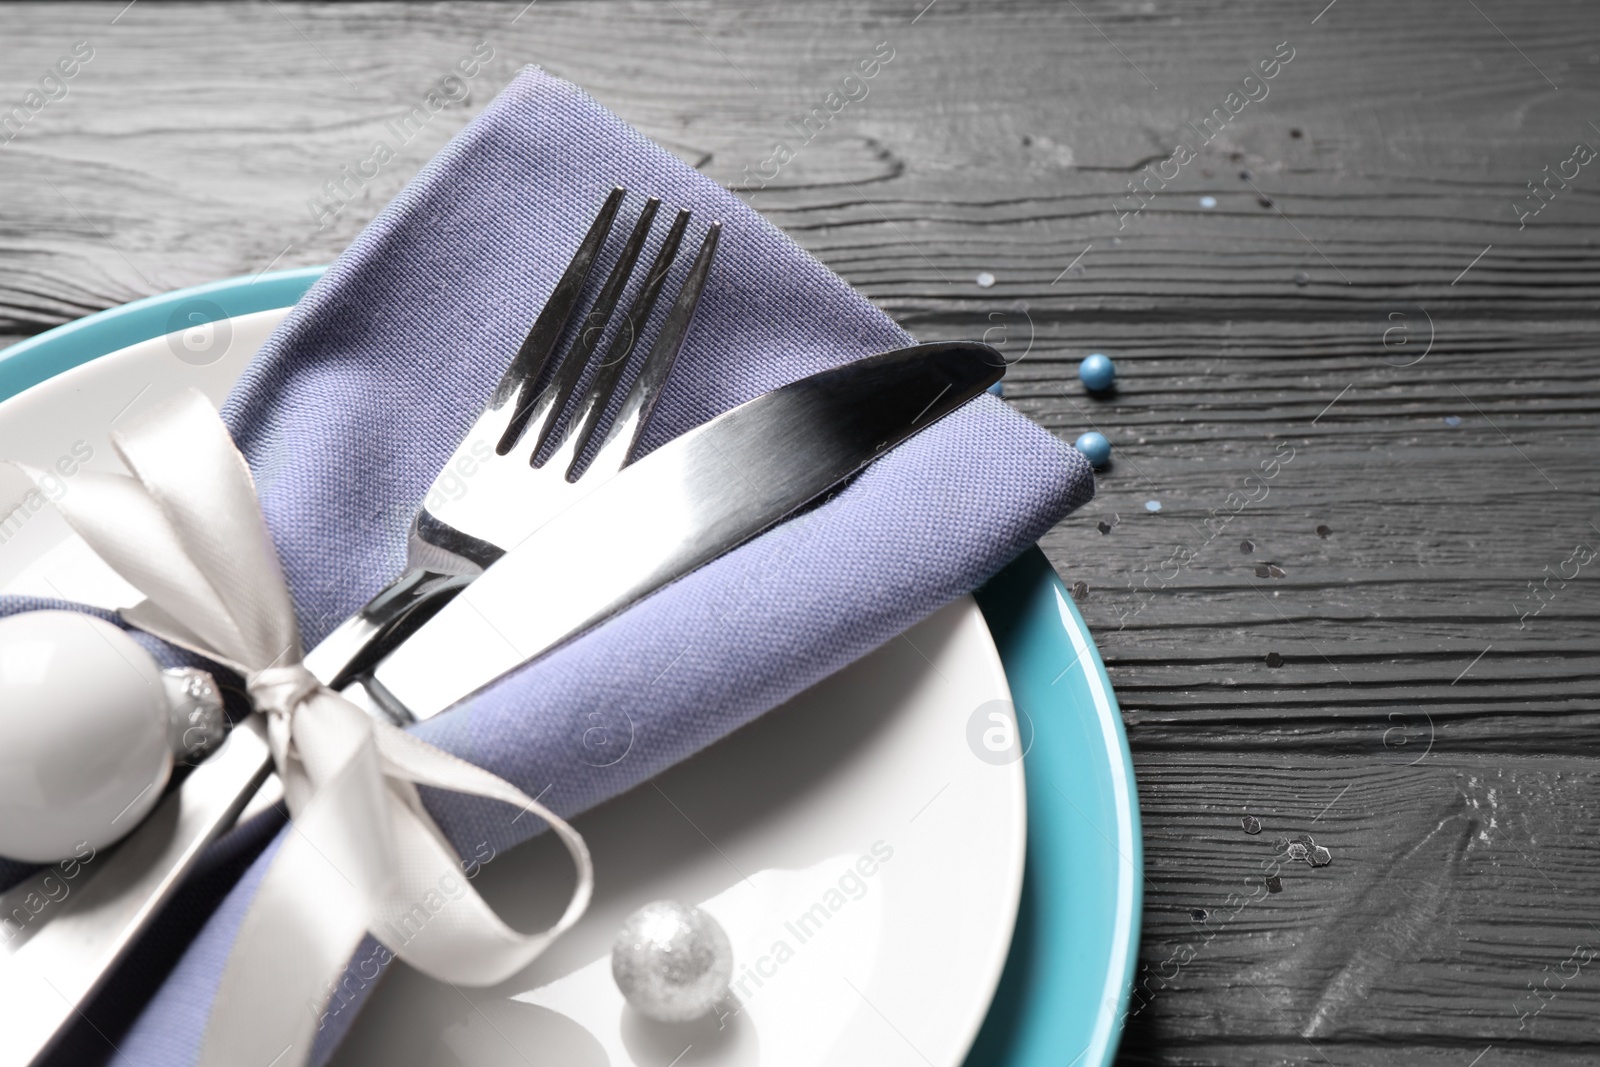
point(363, 855)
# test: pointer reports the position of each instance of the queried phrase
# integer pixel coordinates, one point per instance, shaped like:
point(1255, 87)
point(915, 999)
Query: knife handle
point(52, 966)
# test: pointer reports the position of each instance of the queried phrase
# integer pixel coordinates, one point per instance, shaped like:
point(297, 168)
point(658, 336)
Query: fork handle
point(365, 638)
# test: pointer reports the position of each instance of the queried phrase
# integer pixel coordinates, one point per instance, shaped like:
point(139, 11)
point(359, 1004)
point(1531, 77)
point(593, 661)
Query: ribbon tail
point(437, 922)
point(309, 915)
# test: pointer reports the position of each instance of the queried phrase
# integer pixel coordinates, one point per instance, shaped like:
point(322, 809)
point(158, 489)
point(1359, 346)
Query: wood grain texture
point(1360, 310)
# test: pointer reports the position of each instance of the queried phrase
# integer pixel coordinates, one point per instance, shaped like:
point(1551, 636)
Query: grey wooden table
point(1342, 569)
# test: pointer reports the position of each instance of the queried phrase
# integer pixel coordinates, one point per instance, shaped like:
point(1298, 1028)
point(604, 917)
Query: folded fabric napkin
point(359, 397)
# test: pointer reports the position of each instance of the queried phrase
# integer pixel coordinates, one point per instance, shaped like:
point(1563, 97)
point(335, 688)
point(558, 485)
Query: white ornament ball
point(672, 961)
point(88, 722)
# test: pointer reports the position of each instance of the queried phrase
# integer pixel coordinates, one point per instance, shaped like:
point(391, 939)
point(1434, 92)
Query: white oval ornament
point(89, 728)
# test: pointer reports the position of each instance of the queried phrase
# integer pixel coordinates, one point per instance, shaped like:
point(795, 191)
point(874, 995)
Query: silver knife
point(677, 509)
point(684, 504)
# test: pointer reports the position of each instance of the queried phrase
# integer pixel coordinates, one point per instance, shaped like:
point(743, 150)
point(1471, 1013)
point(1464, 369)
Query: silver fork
point(491, 494)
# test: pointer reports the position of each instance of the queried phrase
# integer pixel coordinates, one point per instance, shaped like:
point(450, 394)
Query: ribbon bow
point(363, 854)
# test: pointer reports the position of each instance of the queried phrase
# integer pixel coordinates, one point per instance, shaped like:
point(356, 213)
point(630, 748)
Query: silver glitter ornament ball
point(672, 961)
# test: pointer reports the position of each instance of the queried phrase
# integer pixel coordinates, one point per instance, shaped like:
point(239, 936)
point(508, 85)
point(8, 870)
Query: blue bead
point(1097, 372)
point(1095, 447)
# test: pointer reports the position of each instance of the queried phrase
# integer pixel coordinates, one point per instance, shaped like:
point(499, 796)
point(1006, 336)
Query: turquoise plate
point(1064, 991)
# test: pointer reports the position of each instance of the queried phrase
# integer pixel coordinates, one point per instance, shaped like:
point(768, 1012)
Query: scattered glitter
point(1296, 134)
point(1247, 546)
point(1208, 202)
point(1103, 526)
point(1323, 531)
point(1264, 201)
point(985, 280)
point(1198, 915)
point(1320, 857)
point(1274, 660)
point(1251, 824)
point(1302, 278)
point(1452, 420)
point(1274, 884)
point(1152, 505)
point(1080, 590)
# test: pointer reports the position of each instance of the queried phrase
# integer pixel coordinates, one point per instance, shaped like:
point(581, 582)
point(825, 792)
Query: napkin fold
point(360, 396)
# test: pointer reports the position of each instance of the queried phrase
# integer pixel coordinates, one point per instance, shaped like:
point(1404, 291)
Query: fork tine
point(617, 450)
point(609, 371)
point(594, 327)
point(534, 355)
point(544, 407)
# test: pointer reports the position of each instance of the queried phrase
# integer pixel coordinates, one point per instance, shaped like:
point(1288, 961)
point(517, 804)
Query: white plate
point(870, 771)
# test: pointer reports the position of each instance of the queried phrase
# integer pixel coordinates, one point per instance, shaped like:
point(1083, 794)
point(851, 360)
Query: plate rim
point(1034, 623)
point(44, 355)
point(1042, 1016)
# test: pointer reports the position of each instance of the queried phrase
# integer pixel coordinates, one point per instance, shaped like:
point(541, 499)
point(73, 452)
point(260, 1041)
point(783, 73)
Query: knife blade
point(678, 508)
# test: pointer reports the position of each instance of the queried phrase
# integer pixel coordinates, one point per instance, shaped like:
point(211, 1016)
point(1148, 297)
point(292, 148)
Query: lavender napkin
point(362, 393)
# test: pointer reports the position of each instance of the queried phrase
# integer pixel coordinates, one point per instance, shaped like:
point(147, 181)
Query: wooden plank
point(1458, 891)
point(1429, 360)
